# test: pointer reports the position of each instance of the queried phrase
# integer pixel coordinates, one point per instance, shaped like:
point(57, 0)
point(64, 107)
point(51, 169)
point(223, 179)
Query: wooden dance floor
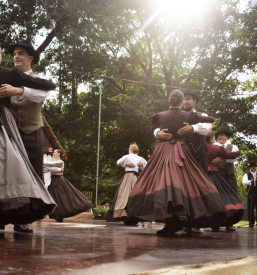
point(96, 247)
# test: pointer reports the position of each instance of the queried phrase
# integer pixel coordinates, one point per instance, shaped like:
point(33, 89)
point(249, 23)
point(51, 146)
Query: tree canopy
point(139, 50)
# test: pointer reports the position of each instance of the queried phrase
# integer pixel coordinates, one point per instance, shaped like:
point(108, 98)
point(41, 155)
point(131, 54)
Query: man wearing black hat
point(250, 180)
point(195, 137)
point(26, 108)
point(18, 79)
point(196, 133)
point(226, 167)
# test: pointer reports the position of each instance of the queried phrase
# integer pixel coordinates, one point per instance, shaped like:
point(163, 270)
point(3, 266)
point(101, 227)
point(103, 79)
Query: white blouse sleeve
point(202, 128)
point(58, 163)
point(52, 169)
point(245, 180)
point(35, 95)
point(122, 161)
point(156, 131)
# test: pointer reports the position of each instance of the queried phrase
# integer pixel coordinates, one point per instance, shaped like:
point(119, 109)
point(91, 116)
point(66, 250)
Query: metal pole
point(98, 143)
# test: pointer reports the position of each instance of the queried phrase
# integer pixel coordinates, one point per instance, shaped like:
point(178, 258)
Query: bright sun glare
point(184, 8)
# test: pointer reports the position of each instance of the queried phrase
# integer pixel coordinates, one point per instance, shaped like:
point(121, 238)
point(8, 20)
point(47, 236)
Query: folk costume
point(23, 196)
point(227, 169)
point(27, 112)
point(18, 79)
point(69, 200)
point(119, 204)
point(195, 140)
point(196, 143)
point(251, 183)
point(234, 206)
point(173, 188)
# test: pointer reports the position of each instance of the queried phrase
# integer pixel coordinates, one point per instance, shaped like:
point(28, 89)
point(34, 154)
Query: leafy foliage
point(85, 41)
point(100, 211)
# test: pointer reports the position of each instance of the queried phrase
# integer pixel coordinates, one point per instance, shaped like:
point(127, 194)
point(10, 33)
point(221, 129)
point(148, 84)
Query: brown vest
point(27, 114)
point(196, 144)
point(227, 167)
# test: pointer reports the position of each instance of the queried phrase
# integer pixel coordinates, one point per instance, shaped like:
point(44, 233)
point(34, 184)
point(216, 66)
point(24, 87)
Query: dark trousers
point(252, 204)
point(232, 181)
point(34, 144)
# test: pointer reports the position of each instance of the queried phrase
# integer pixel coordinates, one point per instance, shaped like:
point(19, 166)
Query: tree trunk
point(74, 90)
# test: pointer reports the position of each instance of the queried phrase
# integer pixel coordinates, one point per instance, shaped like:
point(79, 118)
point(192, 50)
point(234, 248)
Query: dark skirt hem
point(165, 189)
point(69, 200)
point(196, 212)
point(29, 213)
point(234, 206)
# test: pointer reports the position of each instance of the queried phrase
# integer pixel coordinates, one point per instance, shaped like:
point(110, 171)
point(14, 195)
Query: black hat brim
point(35, 53)
point(194, 96)
point(223, 131)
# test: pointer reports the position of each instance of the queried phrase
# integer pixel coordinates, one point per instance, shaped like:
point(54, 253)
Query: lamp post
point(98, 142)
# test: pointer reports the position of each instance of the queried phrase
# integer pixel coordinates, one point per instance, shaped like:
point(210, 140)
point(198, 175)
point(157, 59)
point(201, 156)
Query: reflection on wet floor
point(93, 246)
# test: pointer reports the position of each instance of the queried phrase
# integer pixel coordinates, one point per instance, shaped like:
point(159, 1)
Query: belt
point(135, 173)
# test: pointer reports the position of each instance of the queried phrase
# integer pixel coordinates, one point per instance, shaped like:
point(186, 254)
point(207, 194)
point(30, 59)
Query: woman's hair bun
point(176, 97)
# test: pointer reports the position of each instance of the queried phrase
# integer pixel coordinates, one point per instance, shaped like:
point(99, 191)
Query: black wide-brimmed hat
point(192, 93)
point(252, 163)
point(223, 131)
point(29, 48)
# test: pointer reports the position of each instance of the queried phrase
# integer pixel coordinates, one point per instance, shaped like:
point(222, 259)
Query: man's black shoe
point(23, 228)
point(215, 228)
point(230, 228)
point(166, 231)
point(2, 226)
point(59, 220)
point(251, 226)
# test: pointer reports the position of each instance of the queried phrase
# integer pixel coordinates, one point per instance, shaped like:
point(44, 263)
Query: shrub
point(100, 211)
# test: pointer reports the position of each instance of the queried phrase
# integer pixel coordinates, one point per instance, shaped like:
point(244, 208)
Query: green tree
point(90, 41)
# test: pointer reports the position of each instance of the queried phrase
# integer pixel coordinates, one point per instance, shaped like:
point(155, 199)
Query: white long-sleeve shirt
point(52, 169)
point(234, 149)
point(34, 95)
point(245, 180)
point(135, 159)
point(200, 128)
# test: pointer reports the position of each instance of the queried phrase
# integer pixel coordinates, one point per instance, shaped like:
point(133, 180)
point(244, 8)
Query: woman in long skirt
point(132, 162)
point(23, 196)
point(172, 188)
point(69, 200)
point(234, 206)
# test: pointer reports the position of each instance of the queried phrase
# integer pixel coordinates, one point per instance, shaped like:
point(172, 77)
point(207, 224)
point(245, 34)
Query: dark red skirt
point(164, 189)
point(234, 206)
point(69, 200)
